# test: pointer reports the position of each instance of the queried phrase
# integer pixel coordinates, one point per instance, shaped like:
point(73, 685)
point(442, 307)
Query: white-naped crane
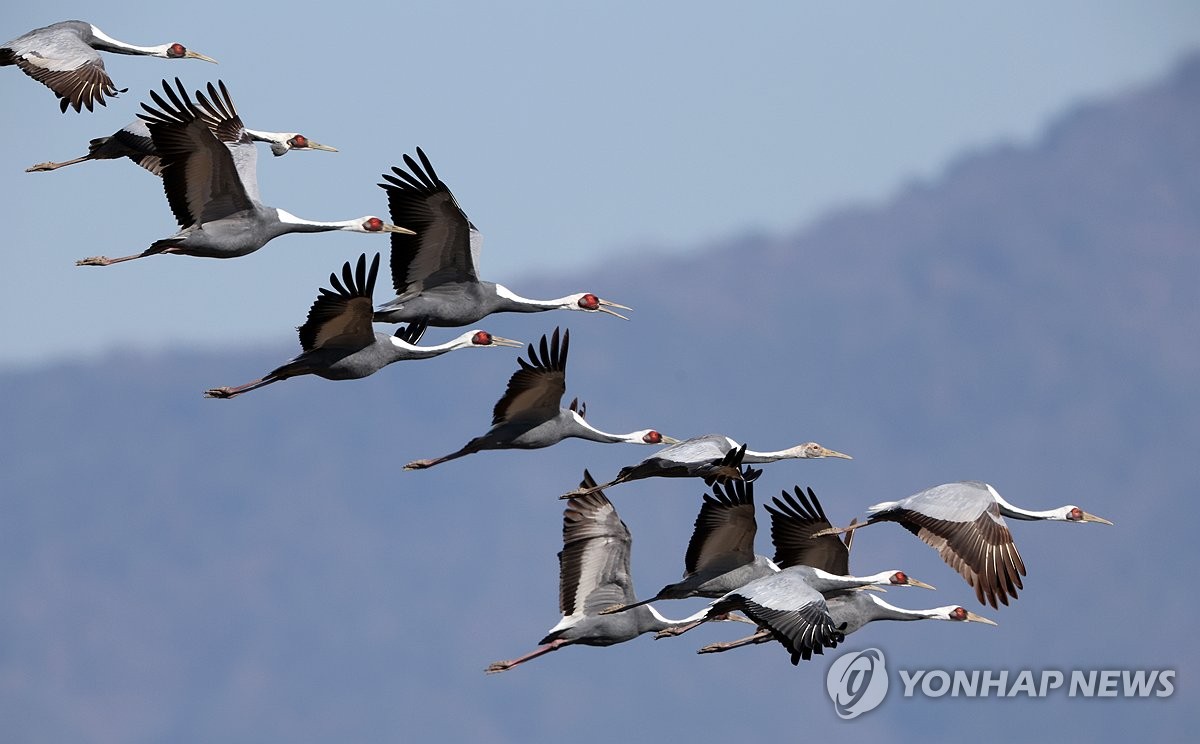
point(529, 415)
point(792, 605)
point(594, 573)
point(964, 523)
point(852, 610)
point(339, 342)
point(708, 457)
point(436, 271)
point(794, 519)
point(133, 141)
point(65, 57)
point(211, 182)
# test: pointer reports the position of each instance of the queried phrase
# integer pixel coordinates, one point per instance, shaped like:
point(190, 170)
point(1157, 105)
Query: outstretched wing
point(221, 117)
point(794, 519)
point(199, 176)
point(341, 317)
point(445, 245)
point(535, 391)
point(594, 562)
point(57, 57)
point(964, 525)
point(723, 537)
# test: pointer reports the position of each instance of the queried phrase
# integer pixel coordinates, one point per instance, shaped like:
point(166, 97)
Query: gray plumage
point(530, 416)
point(65, 57)
point(707, 457)
point(436, 271)
point(964, 522)
point(594, 573)
point(209, 176)
point(339, 342)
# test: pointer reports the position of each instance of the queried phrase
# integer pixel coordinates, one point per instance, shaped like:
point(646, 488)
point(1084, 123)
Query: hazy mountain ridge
point(204, 570)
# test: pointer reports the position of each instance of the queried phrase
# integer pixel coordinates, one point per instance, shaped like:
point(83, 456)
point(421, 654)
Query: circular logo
point(857, 682)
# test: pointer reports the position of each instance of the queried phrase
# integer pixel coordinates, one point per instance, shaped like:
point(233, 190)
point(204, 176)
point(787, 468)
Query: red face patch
point(1075, 514)
point(958, 613)
point(899, 578)
point(589, 302)
point(176, 50)
point(652, 437)
point(481, 338)
point(298, 141)
point(373, 225)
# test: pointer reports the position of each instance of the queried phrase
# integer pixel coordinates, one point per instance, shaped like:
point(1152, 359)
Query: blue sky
point(572, 136)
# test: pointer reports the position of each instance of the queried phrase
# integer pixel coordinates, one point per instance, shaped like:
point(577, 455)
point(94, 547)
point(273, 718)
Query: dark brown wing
point(794, 519)
point(220, 115)
point(593, 565)
point(724, 530)
point(981, 550)
point(199, 176)
point(535, 391)
point(441, 250)
point(341, 317)
point(67, 66)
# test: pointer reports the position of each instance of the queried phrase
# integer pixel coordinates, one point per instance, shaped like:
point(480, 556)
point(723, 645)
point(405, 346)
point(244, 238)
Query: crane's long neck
point(649, 620)
point(581, 429)
point(753, 456)
point(511, 302)
point(104, 42)
point(405, 350)
point(290, 223)
point(884, 611)
point(1016, 512)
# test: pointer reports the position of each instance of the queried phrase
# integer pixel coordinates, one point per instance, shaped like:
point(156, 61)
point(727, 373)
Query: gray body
point(352, 364)
point(453, 304)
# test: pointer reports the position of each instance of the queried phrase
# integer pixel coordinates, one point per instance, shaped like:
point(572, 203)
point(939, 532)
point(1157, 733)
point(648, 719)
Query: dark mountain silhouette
point(181, 569)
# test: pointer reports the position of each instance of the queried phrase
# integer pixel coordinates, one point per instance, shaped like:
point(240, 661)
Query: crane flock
point(803, 597)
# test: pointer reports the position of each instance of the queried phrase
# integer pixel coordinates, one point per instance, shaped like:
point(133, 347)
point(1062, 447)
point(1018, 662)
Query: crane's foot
point(612, 609)
point(498, 666)
point(40, 167)
point(420, 464)
point(94, 261)
point(221, 392)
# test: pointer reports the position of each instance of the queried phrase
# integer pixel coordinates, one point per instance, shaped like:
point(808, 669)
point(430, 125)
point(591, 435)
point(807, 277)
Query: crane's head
point(590, 303)
point(812, 450)
point(960, 615)
point(899, 578)
point(179, 51)
point(484, 339)
point(284, 142)
point(1072, 513)
point(372, 224)
point(650, 436)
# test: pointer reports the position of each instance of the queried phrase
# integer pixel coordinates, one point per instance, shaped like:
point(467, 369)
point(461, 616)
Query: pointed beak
point(1093, 518)
point(834, 453)
point(922, 584)
point(669, 440)
point(973, 618)
point(318, 146)
point(189, 54)
point(605, 305)
point(396, 229)
point(501, 341)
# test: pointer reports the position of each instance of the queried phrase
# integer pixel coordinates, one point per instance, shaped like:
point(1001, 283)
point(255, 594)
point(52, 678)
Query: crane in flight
point(211, 182)
point(436, 271)
point(339, 343)
point(964, 523)
point(529, 415)
point(65, 57)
